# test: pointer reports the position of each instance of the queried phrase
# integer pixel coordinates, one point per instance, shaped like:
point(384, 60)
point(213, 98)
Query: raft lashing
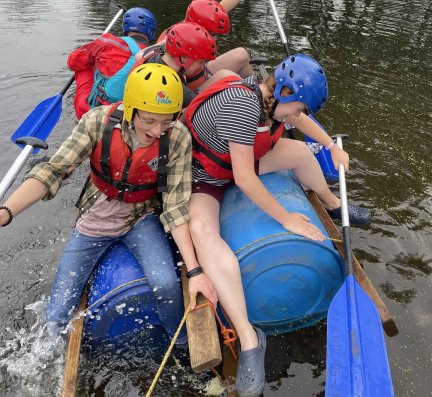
point(289, 281)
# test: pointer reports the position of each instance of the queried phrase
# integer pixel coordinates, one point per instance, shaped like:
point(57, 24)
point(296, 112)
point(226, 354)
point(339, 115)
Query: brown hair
point(269, 100)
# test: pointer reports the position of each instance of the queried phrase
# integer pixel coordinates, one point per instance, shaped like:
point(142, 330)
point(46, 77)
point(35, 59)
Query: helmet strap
point(184, 65)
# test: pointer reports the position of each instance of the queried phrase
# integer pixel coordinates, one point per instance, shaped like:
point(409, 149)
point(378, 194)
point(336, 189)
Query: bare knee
point(200, 230)
point(243, 55)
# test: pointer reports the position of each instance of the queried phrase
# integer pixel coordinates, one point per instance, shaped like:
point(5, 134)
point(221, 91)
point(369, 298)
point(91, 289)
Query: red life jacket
point(126, 175)
point(108, 54)
point(218, 165)
point(196, 81)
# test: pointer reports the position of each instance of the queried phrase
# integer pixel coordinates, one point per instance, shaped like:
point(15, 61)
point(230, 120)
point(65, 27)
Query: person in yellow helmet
point(137, 149)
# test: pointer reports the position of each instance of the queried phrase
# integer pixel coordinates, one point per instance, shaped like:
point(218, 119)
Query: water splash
point(31, 360)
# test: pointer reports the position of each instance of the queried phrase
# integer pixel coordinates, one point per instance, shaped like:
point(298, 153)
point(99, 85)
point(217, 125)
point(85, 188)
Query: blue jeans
point(147, 241)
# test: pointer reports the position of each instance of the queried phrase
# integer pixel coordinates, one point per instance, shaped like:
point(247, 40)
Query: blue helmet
point(139, 19)
point(305, 77)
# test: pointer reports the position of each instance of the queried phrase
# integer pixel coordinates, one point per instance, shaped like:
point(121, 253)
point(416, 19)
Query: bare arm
point(249, 183)
point(30, 192)
point(308, 127)
point(229, 4)
point(200, 283)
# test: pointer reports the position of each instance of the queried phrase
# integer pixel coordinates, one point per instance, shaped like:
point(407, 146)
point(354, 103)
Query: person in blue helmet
point(102, 66)
point(229, 148)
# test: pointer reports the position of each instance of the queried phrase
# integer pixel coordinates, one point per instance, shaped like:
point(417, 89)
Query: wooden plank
point(229, 372)
point(73, 351)
point(387, 320)
point(203, 338)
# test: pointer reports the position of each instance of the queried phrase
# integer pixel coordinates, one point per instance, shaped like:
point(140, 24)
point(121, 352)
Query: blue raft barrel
point(120, 299)
point(289, 281)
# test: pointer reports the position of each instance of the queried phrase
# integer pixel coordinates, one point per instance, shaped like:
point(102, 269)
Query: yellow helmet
point(154, 88)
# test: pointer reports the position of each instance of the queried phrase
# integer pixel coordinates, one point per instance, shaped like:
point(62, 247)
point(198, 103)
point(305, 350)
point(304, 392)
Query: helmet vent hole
point(291, 73)
point(292, 59)
point(321, 71)
point(148, 76)
point(178, 44)
point(164, 82)
point(283, 66)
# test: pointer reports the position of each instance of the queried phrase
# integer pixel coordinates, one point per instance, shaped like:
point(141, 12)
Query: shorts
point(216, 191)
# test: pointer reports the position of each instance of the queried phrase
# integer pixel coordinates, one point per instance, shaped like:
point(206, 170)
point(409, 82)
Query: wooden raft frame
point(204, 346)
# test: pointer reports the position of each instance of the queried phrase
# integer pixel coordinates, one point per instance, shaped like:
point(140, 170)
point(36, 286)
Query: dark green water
point(378, 57)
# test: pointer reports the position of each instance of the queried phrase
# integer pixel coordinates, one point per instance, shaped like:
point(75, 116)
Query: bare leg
point(294, 155)
point(236, 60)
point(220, 264)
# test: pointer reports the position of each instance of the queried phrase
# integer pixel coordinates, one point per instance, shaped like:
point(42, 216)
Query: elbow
point(244, 182)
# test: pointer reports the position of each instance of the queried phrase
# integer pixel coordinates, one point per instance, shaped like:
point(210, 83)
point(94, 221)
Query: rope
point(229, 334)
point(168, 352)
point(88, 308)
point(277, 235)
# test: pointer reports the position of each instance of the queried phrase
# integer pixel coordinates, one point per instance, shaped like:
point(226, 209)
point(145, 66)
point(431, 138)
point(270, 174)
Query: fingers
point(301, 225)
point(203, 285)
point(192, 297)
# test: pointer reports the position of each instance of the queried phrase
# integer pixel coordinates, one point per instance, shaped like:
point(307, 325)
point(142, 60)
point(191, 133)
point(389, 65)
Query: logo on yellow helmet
point(163, 98)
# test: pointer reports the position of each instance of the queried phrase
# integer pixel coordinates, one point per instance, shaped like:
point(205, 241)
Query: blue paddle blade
point(357, 363)
point(41, 121)
point(324, 158)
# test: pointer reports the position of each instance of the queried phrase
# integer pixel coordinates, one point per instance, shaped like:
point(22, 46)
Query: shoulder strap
point(132, 44)
point(163, 161)
point(114, 118)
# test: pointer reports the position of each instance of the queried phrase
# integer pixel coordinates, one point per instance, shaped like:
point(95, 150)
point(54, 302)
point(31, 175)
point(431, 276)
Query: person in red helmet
point(214, 17)
point(186, 49)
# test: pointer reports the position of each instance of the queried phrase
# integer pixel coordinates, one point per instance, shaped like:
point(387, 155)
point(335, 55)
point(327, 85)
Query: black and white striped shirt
point(229, 116)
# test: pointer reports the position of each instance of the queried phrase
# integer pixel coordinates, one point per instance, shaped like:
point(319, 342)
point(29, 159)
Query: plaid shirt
point(83, 140)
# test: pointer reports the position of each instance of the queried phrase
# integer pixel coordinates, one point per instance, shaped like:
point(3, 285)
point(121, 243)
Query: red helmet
point(191, 40)
point(210, 15)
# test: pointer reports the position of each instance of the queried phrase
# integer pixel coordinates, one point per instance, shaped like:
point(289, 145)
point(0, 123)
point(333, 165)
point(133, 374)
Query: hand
point(339, 156)
point(300, 224)
point(204, 285)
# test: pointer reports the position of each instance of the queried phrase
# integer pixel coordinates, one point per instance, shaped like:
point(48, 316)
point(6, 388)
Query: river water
point(377, 55)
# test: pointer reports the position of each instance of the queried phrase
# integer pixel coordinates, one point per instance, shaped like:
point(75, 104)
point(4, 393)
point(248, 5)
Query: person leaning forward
point(139, 129)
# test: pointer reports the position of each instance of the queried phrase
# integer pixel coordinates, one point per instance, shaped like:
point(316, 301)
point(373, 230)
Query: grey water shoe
point(250, 369)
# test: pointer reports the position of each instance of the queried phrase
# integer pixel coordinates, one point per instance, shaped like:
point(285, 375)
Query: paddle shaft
point(345, 216)
point(14, 170)
point(26, 152)
point(108, 28)
point(279, 26)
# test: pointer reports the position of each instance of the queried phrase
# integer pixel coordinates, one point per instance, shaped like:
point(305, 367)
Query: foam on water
point(31, 360)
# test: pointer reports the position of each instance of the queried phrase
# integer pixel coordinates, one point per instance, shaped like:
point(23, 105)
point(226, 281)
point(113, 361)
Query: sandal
point(250, 369)
point(357, 215)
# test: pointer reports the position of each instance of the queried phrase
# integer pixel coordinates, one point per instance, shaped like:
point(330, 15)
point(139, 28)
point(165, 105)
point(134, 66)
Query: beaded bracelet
point(194, 272)
point(9, 213)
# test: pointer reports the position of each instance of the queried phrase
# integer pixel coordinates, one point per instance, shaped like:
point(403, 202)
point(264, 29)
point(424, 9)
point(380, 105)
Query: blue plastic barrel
point(289, 281)
point(121, 301)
